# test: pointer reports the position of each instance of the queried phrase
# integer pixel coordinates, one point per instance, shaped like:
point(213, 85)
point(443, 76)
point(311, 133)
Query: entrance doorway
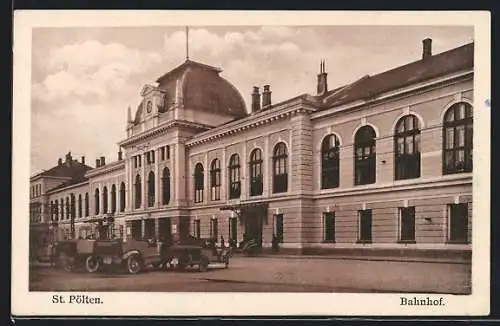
point(254, 220)
point(164, 228)
point(184, 226)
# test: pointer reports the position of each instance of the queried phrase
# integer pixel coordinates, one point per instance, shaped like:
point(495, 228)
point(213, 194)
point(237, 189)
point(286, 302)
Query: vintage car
point(69, 254)
point(132, 255)
point(199, 252)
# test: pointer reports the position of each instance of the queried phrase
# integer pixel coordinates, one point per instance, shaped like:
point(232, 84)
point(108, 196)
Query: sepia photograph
point(246, 159)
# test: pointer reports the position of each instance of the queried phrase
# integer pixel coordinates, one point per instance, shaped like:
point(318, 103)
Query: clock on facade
point(149, 107)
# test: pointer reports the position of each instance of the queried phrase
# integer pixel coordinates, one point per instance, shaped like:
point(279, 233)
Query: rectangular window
point(162, 153)
point(152, 156)
point(167, 152)
point(233, 235)
point(214, 228)
point(139, 160)
point(136, 230)
point(279, 230)
point(407, 224)
point(329, 227)
point(197, 229)
point(458, 220)
point(149, 228)
point(365, 225)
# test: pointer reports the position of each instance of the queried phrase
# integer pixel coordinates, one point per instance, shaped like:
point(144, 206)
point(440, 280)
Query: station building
point(380, 166)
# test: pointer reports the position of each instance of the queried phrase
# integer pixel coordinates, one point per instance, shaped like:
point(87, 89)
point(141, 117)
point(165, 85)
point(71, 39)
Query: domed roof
point(199, 87)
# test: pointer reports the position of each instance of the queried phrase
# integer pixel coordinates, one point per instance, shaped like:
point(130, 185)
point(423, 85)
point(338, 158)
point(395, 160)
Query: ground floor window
point(197, 229)
point(278, 227)
point(233, 231)
point(458, 221)
point(149, 229)
point(407, 224)
point(365, 225)
point(164, 228)
point(329, 227)
point(136, 230)
point(214, 227)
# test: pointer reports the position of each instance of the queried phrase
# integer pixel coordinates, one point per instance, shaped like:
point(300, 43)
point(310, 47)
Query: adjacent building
point(382, 165)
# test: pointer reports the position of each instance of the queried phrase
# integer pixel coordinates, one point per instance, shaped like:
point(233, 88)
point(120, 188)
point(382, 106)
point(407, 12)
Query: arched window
point(73, 205)
point(68, 210)
point(105, 200)
point(113, 198)
point(364, 156)
point(80, 208)
point(457, 139)
point(138, 191)
point(215, 180)
point(56, 210)
point(86, 204)
point(198, 183)
point(166, 186)
point(256, 179)
point(330, 162)
point(62, 209)
point(122, 197)
point(280, 175)
point(234, 177)
point(151, 189)
point(96, 200)
point(407, 148)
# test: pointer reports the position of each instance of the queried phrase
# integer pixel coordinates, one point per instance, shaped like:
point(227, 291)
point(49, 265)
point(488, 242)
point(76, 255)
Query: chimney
point(103, 161)
point(266, 96)
point(59, 162)
point(83, 159)
point(129, 114)
point(97, 163)
point(120, 155)
point(255, 99)
point(69, 159)
point(322, 79)
point(426, 48)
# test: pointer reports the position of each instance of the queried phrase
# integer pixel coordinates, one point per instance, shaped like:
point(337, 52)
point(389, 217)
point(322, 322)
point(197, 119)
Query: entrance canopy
point(239, 207)
point(103, 219)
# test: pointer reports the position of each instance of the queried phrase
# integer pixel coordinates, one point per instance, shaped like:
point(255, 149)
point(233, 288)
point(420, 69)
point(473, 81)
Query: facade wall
point(304, 202)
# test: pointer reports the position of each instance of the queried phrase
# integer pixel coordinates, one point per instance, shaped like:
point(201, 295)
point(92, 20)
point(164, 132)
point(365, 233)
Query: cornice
point(152, 133)
point(412, 90)
point(266, 117)
point(107, 168)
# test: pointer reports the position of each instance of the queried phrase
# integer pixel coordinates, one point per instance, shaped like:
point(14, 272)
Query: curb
point(387, 259)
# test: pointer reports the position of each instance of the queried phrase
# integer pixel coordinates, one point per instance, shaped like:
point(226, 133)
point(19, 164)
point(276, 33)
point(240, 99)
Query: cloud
point(81, 90)
point(91, 69)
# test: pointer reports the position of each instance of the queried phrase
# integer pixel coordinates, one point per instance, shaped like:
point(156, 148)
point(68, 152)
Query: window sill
point(328, 241)
point(406, 241)
point(458, 242)
point(364, 241)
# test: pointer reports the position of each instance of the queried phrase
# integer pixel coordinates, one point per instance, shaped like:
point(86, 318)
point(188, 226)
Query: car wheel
point(66, 262)
point(134, 264)
point(203, 267)
point(92, 264)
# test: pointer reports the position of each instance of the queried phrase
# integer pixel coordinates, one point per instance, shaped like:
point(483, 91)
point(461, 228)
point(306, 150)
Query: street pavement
point(272, 274)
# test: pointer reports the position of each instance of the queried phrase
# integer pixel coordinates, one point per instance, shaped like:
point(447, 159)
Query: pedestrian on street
point(275, 243)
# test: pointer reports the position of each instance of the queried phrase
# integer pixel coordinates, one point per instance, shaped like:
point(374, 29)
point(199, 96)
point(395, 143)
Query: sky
point(83, 79)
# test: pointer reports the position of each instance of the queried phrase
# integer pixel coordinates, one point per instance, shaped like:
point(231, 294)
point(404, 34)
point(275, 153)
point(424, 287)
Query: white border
point(25, 303)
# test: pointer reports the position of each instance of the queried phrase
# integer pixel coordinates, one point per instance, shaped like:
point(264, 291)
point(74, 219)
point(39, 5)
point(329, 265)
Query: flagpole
point(187, 43)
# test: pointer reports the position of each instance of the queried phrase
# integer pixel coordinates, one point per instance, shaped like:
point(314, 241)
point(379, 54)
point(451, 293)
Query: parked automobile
point(200, 254)
point(70, 254)
point(131, 255)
